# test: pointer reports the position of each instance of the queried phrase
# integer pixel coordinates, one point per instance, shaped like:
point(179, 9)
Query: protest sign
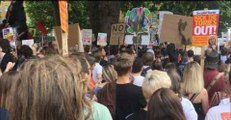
point(102, 39)
point(205, 25)
point(145, 39)
point(28, 42)
point(87, 36)
point(74, 35)
point(161, 18)
point(170, 29)
point(128, 40)
point(58, 37)
point(117, 34)
point(10, 34)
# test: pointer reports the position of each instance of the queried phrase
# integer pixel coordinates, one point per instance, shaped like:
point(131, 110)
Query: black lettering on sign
point(118, 28)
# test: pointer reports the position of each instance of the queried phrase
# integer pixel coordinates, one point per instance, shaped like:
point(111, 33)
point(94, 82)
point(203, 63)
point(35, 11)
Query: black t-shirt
point(8, 57)
point(139, 115)
point(129, 99)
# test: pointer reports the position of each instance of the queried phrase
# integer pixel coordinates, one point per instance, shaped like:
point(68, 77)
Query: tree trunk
point(102, 15)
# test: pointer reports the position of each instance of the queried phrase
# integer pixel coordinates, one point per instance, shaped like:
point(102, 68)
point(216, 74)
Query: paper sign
point(117, 34)
point(87, 36)
point(29, 42)
point(145, 39)
point(102, 39)
point(128, 39)
point(9, 34)
point(205, 25)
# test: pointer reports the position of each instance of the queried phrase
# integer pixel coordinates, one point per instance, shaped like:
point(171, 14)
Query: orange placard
point(63, 14)
point(205, 24)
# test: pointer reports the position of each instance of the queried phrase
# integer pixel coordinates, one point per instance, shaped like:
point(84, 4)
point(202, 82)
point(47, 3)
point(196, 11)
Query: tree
point(102, 14)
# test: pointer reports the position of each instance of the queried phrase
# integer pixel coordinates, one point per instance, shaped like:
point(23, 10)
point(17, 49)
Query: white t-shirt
point(188, 109)
point(98, 69)
point(220, 112)
point(138, 80)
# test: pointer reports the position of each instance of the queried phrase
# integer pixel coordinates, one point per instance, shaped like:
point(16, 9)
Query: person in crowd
point(56, 93)
point(153, 81)
point(165, 105)
point(213, 79)
point(157, 65)
point(109, 73)
point(103, 60)
point(223, 110)
point(147, 59)
point(197, 58)
point(137, 68)
point(223, 55)
point(6, 81)
point(7, 60)
point(91, 60)
point(24, 53)
point(193, 88)
point(98, 69)
point(122, 97)
point(188, 108)
point(99, 112)
point(190, 54)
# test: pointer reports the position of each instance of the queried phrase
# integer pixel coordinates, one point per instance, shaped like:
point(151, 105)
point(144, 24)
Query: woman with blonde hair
point(50, 88)
point(193, 88)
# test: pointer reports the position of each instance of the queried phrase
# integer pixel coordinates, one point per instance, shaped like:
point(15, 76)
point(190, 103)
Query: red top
point(218, 86)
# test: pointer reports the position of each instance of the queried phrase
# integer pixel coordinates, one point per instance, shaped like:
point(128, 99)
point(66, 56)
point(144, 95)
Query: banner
point(87, 36)
point(205, 26)
point(117, 34)
point(102, 39)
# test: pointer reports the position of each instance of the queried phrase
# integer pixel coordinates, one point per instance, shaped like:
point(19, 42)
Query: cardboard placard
point(74, 35)
point(205, 25)
point(87, 36)
point(117, 34)
point(170, 32)
point(102, 39)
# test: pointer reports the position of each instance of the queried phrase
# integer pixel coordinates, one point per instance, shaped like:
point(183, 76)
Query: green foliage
point(48, 12)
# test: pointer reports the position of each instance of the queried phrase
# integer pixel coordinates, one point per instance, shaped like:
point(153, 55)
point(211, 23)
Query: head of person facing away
point(153, 81)
point(137, 66)
point(165, 105)
point(109, 74)
point(48, 89)
point(193, 81)
point(123, 64)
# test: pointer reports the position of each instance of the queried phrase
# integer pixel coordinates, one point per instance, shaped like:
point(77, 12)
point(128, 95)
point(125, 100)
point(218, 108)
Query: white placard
point(28, 42)
point(145, 39)
point(102, 39)
point(128, 39)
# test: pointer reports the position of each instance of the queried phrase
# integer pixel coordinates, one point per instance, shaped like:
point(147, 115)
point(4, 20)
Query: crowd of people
point(148, 83)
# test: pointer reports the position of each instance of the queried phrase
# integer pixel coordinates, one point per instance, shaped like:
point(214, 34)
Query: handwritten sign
point(205, 24)
point(117, 34)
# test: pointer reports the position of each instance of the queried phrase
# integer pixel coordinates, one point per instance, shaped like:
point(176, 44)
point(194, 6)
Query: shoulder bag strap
point(214, 80)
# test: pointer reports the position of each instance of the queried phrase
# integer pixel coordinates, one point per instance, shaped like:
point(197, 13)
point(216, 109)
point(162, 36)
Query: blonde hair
point(193, 81)
point(48, 89)
point(153, 81)
point(109, 73)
